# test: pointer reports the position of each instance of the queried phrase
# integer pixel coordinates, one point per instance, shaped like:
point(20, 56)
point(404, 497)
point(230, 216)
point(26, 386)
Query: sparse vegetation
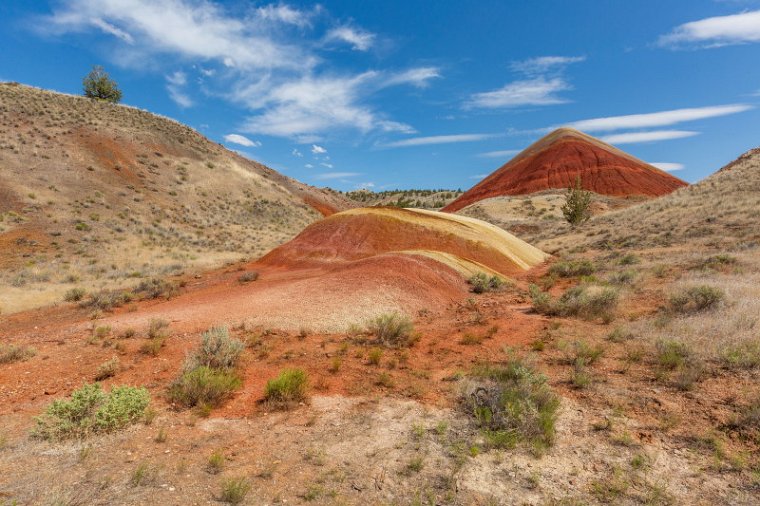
point(287, 389)
point(393, 329)
point(512, 402)
point(15, 353)
point(588, 302)
point(234, 490)
point(572, 268)
point(694, 299)
point(107, 369)
point(482, 282)
point(91, 410)
point(249, 276)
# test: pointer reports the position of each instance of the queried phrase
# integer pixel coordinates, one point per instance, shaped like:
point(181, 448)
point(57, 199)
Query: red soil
point(556, 160)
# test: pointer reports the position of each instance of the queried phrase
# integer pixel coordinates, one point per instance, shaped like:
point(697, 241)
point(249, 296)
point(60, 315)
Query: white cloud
point(297, 153)
point(651, 136)
point(318, 150)
point(667, 166)
point(498, 154)
point(365, 186)
point(191, 28)
point(418, 77)
point(242, 140)
point(328, 165)
point(657, 119)
point(544, 64)
point(309, 166)
point(439, 139)
point(311, 105)
point(358, 39)
point(113, 30)
point(541, 85)
point(337, 175)
point(538, 91)
point(478, 176)
point(286, 14)
point(250, 60)
point(175, 84)
point(716, 31)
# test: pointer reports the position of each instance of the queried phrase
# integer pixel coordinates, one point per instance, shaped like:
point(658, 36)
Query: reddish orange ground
point(555, 161)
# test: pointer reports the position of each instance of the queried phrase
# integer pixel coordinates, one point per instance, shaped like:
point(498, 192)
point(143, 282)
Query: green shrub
point(288, 388)
point(203, 387)
point(696, 298)
point(672, 354)
point(74, 294)
point(583, 301)
point(90, 410)
point(155, 287)
point(393, 329)
point(628, 259)
point(577, 206)
point(247, 277)
point(15, 353)
point(572, 268)
point(512, 402)
point(107, 369)
point(234, 490)
point(218, 350)
point(482, 282)
point(625, 277)
point(744, 355)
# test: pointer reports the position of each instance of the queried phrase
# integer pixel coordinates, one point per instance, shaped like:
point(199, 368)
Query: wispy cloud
point(359, 40)
point(337, 175)
point(657, 119)
point(418, 77)
point(318, 150)
point(545, 64)
point(650, 136)
point(242, 140)
point(539, 91)
point(478, 176)
point(543, 81)
point(668, 166)
point(175, 84)
point(715, 31)
point(438, 139)
point(498, 154)
point(286, 14)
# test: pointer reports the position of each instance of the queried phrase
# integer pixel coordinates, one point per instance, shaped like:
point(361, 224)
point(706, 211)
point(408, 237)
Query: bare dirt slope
point(558, 159)
point(98, 194)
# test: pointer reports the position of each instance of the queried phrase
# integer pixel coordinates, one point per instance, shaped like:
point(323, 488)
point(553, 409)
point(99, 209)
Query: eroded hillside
point(99, 195)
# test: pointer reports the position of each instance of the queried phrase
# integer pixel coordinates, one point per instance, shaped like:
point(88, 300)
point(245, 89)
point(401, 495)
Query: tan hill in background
point(421, 199)
point(556, 160)
point(99, 195)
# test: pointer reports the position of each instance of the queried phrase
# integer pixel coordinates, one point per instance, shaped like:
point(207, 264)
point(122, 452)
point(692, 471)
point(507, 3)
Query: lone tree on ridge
point(98, 85)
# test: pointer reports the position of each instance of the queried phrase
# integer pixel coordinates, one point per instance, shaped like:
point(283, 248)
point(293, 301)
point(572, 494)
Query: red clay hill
point(556, 160)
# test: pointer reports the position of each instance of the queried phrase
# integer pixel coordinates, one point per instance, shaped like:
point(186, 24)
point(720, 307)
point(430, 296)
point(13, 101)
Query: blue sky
point(413, 94)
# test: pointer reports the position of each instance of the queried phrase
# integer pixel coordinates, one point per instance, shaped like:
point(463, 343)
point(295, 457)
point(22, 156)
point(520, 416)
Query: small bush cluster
point(572, 268)
point(393, 329)
point(15, 353)
point(74, 295)
point(91, 410)
point(247, 277)
point(209, 375)
point(511, 403)
point(582, 301)
point(482, 282)
point(676, 360)
point(287, 389)
point(695, 299)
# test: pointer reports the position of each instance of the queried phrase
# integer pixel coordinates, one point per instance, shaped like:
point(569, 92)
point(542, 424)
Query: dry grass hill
point(424, 199)
point(98, 195)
